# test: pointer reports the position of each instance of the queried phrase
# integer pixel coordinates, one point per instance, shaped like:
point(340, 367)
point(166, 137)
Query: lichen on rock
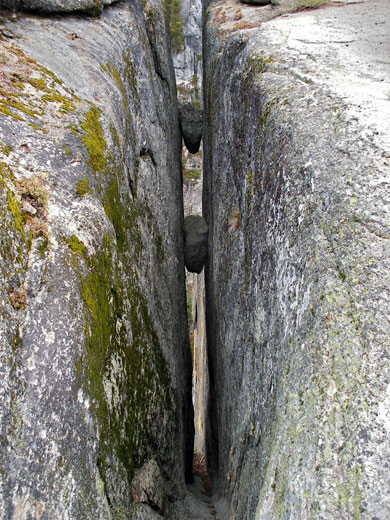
point(90, 390)
point(296, 333)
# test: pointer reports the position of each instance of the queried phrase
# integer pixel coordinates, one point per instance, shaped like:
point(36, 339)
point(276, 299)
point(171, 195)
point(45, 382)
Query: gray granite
point(95, 367)
point(296, 187)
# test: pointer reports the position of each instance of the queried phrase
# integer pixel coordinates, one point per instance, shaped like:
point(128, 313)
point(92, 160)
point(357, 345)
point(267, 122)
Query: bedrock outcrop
point(297, 282)
point(95, 372)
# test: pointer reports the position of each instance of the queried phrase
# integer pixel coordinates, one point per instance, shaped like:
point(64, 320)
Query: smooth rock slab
point(296, 139)
point(195, 243)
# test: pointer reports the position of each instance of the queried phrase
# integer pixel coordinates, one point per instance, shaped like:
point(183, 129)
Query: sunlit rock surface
point(297, 283)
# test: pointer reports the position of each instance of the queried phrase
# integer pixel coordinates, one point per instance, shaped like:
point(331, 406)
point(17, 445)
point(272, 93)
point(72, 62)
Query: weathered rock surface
point(148, 486)
point(57, 6)
point(294, 5)
point(192, 182)
point(191, 125)
point(144, 512)
point(95, 368)
point(296, 177)
point(195, 243)
point(188, 60)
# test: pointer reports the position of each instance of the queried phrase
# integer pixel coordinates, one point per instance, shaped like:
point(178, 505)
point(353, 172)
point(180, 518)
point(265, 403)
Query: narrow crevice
point(186, 36)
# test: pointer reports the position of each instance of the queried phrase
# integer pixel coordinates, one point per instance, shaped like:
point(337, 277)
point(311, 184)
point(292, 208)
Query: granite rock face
point(57, 6)
point(95, 366)
point(148, 486)
point(297, 282)
point(188, 60)
point(200, 370)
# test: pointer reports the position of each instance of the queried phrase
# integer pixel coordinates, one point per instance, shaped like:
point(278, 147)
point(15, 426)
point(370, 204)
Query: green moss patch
point(76, 245)
point(5, 149)
point(127, 381)
point(192, 173)
point(84, 187)
point(43, 247)
point(29, 87)
point(93, 138)
point(15, 243)
point(123, 368)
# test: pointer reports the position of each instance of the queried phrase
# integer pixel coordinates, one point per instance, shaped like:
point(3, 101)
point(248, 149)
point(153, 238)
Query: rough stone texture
point(192, 181)
point(191, 124)
point(148, 486)
point(295, 5)
point(195, 243)
point(188, 61)
point(143, 512)
point(95, 368)
point(297, 281)
point(57, 6)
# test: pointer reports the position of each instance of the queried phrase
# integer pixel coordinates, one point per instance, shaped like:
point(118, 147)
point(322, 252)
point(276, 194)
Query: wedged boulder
point(195, 243)
point(93, 7)
point(256, 2)
point(191, 125)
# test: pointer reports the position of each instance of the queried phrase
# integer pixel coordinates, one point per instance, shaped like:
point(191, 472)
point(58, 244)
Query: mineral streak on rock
point(195, 243)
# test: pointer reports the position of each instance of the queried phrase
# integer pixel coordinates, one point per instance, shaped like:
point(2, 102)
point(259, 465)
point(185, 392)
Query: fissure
point(262, 168)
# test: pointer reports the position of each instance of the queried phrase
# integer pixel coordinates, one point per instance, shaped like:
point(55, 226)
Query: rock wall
point(95, 361)
point(296, 197)
point(188, 61)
